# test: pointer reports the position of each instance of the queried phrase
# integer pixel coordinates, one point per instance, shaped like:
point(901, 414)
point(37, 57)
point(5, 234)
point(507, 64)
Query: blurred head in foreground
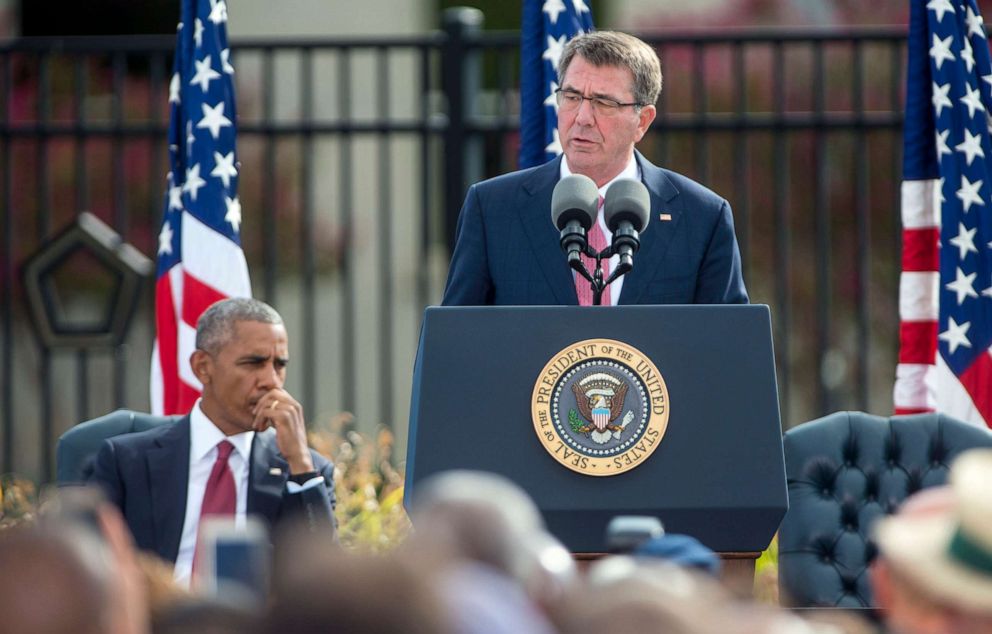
point(499, 566)
point(486, 518)
point(479, 516)
point(52, 582)
point(317, 587)
point(632, 595)
point(75, 571)
point(934, 570)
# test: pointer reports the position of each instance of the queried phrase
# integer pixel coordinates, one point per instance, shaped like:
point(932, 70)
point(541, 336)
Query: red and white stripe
point(212, 268)
point(923, 382)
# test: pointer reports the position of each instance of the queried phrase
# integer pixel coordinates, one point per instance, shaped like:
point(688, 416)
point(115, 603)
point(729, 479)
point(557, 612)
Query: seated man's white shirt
point(204, 437)
point(631, 171)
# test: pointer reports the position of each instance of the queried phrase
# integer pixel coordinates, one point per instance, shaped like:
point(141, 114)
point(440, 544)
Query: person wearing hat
point(683, 550)
point(934, 569)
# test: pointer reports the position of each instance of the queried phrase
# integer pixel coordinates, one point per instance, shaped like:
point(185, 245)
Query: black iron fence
point(355, 156)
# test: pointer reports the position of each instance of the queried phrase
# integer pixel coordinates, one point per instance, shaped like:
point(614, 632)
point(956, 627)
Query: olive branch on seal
point(578, 426)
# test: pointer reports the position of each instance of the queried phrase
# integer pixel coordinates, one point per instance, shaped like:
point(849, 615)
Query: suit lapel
point(267, 477)
point(656, 239)
point(168, 477)
point(534, 210)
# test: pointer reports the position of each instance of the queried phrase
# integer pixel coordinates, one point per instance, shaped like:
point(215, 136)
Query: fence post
point(461, 72)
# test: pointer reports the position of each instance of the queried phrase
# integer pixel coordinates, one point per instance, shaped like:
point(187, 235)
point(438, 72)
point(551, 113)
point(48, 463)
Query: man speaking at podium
point(508, 250)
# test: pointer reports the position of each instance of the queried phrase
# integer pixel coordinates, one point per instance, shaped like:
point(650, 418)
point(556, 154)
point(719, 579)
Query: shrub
point(18, 501)
point(368, 487)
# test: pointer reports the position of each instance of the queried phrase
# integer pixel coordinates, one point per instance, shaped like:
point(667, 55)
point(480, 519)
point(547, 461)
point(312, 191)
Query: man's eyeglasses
point(570, 100)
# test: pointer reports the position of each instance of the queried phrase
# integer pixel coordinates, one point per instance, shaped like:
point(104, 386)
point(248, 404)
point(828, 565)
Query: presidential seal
point(600, 407)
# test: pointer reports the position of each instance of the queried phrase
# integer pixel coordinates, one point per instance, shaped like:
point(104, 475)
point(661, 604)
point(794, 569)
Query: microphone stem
point(597, 283)
point(622, 269)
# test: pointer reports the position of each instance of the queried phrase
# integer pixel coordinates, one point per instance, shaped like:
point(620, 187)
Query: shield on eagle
point(599, 398)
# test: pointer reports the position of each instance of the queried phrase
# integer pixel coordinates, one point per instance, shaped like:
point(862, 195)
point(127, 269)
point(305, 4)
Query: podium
point(717, 473)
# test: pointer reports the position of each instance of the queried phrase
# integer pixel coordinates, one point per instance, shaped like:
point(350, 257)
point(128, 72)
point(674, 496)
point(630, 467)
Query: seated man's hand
point(281, 411)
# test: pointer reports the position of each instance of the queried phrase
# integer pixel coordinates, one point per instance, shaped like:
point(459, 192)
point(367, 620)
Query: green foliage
point(369, 489)
point(575, 422)
point(766, 574)
point(18, 501)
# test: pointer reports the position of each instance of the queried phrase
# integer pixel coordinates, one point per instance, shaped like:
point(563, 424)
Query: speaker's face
point(598, 142)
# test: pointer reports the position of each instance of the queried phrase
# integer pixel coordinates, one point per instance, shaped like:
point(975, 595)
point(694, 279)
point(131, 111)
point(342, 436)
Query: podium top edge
point(632, 307)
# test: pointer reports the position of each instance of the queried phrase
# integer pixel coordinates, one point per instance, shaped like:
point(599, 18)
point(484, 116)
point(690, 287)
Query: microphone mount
point(595, 278)
point(575, 204)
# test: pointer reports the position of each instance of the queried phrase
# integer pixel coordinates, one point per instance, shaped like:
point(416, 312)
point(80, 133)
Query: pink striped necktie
point(597, 240)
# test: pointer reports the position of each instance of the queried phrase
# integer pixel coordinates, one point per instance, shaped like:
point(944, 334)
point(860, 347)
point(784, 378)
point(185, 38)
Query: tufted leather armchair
point(844, 471)
point(77, 447)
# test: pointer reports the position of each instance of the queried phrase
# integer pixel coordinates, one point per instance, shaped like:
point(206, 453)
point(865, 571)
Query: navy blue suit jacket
point(507, 250)
point(146, 475)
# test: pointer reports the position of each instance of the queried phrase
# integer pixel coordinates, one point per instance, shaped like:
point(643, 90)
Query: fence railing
point(355, 155)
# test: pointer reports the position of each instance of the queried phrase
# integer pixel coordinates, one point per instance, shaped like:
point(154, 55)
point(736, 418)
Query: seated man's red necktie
point(220, 497)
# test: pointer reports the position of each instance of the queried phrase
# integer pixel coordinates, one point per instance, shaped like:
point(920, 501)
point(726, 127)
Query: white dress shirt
point(203, 439)
point(631, 171)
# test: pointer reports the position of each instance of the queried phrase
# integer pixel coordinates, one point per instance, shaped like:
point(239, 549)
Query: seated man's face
point(248, 366)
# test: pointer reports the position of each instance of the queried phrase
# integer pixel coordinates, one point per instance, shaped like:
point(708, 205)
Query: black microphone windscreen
point(627, 199)
point(575, 197)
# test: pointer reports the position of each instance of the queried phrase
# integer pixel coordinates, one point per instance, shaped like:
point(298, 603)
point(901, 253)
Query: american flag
point(546, 26)
point(945, 294)
point(199, 247)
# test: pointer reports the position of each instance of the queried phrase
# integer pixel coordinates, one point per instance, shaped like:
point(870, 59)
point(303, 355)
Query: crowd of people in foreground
point(480, 561)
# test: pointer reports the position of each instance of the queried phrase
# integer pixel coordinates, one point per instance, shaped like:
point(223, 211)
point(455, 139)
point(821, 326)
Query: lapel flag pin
point(665, 217)
point(275, 471)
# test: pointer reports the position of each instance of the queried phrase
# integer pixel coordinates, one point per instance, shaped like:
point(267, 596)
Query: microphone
point(626, 210)
point(574, 204)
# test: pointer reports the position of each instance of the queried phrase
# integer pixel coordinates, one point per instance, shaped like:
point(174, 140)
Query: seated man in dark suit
point(507, 250)
point(242, 450)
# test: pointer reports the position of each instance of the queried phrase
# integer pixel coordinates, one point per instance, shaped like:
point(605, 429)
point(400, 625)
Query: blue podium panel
point(718, 473)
